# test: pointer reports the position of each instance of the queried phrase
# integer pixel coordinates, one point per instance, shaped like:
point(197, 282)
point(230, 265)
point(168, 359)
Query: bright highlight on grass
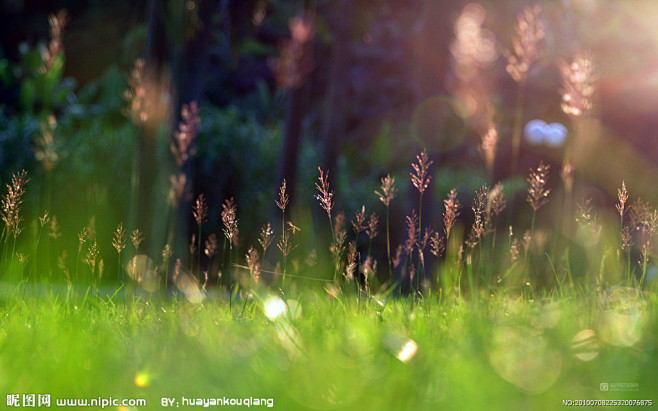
point(142, 379)
point(408, 351)
point(274, 307)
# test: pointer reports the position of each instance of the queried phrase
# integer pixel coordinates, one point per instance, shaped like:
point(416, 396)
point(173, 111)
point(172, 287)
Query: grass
point(499, 352)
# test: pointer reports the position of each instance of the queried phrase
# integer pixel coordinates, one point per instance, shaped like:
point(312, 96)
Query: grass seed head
point(525, 52)
point(167, 252)
point(622, 194)
point(11, 203)
point(388, 190)
point(211, 246)
point(577, 85)
point(52, 55)
point(437, 245)
point(326, 195)
point(136, 238)
point(230, 221)
point(266, 237)
point(451, 212)
point(183, 145)
point(420, 176)
point(412, 232)
point(282, 203)
point(373, 226)
point(53, 231)
point(537, 191)
point(253, 262)
point(200, 210)
point(359, 222)
point(119, 240)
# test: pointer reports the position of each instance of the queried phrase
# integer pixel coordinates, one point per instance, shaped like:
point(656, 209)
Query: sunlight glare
point(408, 351)
point(585, 345)
point(274, 307)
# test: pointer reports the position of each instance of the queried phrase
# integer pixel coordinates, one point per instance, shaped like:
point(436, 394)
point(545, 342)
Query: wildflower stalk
point(42, 222)
point(200, 214)
point(325, 197)
point(119, 243)
point(622, 194)
point(282, 203)
point(388, 192)
point(420, 179)
point(230, 221)
point(537, 191)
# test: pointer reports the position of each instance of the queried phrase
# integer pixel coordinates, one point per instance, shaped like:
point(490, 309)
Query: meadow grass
point(499, 352)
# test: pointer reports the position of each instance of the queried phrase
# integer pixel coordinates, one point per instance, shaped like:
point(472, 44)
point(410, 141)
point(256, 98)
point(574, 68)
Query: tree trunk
point(189, 70)
point(335, 114)
point(156, 55)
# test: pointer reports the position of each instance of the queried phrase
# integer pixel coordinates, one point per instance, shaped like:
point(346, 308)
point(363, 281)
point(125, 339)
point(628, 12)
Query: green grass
point(498, 352)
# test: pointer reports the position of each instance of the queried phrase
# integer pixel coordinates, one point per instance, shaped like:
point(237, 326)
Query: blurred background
point(356, 87)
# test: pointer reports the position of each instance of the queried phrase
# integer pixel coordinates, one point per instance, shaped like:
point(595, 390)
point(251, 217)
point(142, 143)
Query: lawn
point(319, 351)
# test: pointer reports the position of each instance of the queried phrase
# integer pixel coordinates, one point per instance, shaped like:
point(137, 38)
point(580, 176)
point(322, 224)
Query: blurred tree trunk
point(295, 111)
point(187, 62)
point(156, 56)
point(336, 107)
point(189, 69)
point(292, 135)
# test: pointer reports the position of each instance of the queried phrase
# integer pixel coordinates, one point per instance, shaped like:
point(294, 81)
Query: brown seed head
point(136, 94)
point(359, 222)
point(285, 243)
point(372, 229)
point(420, 178)
point(53, 232)
point(437, 245)
point(537, 191)
point(183, 146)
point(11, 203)
point(266, 237)
point(488, 146)
point(326, 195)
point(211, 246)
point(200, 210)
point(622, 194)
point(55, 49)
point(412, 232)
point(167, 252)
point(481, 216)
point(119, 240)
point(283, 197)
point(92, 256)
point(529, 33)
point(577, 85)
point(44, 219)
point(295, 61)
point(192, 246)
point(451, 212)
point(388, 190)
point(253, 262)
point(136, 237)
point(350, 268)
point(230, 221)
